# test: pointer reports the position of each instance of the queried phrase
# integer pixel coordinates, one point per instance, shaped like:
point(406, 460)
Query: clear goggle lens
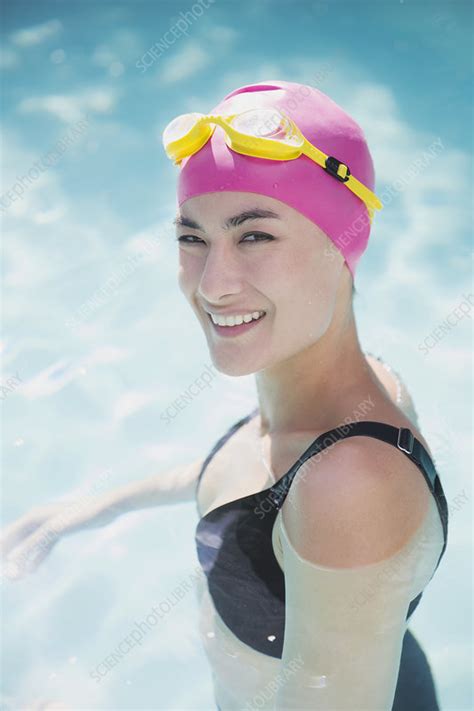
point(256, 123)
point(179, 127)
point(266, 123)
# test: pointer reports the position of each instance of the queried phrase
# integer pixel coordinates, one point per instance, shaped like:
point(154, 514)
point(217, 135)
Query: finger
point(28, 523)
point(34, 549)
point(18, 567)
point(15, 532)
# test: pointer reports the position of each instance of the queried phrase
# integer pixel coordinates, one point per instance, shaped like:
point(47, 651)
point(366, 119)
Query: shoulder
point(358, 503)
point(394, 385)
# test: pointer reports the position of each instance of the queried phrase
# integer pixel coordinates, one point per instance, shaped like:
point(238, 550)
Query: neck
point(317, 387)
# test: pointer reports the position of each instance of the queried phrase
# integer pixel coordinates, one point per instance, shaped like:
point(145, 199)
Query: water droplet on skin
point(318, 682)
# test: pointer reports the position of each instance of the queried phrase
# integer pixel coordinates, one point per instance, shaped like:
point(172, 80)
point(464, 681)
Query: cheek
point(319, 276)
point(307, 293)
point(188, 273)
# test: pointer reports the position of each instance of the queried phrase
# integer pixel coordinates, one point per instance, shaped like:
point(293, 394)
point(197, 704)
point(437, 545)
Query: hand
point(21, 547)
point(26, 542)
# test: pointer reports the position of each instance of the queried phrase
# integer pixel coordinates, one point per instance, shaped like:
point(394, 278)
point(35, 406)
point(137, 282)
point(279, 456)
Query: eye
point(260, 235)
point(185, 238)
point(192, 239)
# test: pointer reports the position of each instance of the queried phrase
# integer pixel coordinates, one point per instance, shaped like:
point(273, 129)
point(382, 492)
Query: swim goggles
point(261, 133)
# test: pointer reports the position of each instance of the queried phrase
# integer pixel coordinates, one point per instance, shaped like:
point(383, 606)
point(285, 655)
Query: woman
point(322, 518)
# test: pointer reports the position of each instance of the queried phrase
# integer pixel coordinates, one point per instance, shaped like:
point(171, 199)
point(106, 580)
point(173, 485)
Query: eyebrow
point(255, 213)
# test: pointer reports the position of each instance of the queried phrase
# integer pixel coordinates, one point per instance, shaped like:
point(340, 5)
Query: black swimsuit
point(246, 582)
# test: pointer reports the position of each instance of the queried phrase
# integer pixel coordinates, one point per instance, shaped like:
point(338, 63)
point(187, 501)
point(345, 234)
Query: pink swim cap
point(300, 183)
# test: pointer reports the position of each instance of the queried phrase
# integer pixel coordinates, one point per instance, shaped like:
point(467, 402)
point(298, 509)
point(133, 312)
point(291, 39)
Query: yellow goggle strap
point(341, 172)
point(202, 131)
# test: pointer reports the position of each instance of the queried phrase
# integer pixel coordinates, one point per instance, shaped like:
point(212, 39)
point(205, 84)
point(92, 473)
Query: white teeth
point(236, 320)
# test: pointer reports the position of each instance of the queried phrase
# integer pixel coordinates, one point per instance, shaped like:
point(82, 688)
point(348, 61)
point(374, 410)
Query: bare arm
point(173, 486)
point(24, 543)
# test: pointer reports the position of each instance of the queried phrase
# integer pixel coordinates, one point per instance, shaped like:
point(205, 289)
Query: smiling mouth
point(244, 323)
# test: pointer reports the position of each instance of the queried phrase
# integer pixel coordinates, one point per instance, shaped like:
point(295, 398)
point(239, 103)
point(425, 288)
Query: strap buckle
point(332, 167)
point(405, 439)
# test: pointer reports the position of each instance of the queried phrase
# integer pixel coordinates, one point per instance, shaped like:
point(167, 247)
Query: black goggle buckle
point(332, 166)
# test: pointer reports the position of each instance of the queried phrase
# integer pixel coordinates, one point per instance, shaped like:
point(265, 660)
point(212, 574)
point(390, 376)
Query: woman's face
point(279, 265)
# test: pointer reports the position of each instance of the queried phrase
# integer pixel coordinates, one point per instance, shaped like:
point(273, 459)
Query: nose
point(223, 274)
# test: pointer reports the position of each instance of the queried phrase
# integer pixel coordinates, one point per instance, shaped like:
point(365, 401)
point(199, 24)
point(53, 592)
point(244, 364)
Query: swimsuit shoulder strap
point(222, 440)
point(400, 437)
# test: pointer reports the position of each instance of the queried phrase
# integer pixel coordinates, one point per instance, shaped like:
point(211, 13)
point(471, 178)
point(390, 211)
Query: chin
point(234, 368)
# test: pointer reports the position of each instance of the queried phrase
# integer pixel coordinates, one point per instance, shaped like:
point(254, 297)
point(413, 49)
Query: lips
point(236, 330)
point(236, 313)
point(260, 311)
